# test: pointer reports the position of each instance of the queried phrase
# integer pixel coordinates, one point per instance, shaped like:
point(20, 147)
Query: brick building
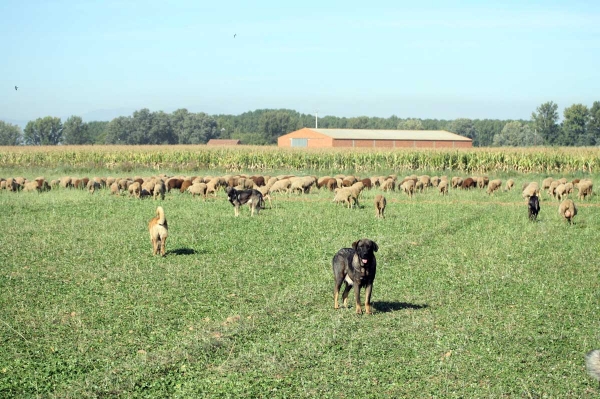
point(372, 138)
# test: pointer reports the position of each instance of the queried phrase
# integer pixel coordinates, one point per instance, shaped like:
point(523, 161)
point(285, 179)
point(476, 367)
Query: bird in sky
point(16, 87)
point(234, 35)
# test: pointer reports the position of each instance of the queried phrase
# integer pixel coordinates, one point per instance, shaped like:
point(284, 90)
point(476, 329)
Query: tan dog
point(159, 230)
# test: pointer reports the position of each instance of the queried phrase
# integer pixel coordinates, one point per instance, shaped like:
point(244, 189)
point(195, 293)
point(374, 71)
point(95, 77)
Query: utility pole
point(316, 119)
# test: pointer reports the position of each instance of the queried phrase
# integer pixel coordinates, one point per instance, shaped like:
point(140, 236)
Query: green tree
point(75, 131)
point(276, 123)
point(10, 134)
point(410, 124)
point(97, 131)
point(119, 131)
point(574, 132)
point(593, 128)
point(43, 131)
point(464, 127)
point(545, 122)
point(198, 129)
point(516, 134)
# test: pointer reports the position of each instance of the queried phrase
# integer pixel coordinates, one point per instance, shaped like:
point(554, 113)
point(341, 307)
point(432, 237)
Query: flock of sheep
point(345, 189)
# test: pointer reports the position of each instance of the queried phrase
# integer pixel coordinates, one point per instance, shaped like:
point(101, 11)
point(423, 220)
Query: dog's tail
point(592, 363)
point(160, 213)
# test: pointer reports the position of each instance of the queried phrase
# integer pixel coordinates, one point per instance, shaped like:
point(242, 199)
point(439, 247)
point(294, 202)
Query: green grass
point(471, 299)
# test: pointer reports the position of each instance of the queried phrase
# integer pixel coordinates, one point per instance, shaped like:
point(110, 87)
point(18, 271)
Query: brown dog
point(159, 230)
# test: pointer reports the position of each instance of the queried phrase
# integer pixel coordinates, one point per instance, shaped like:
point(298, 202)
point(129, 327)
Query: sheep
point(408, 187)
point(31, 186)
point(380, 204)
point(567, 210)
point(510, 183)
point(419, 186)
point(345, 194)
point(159, 189)
point(456, 181)
point(585, 189)
point(367, 182)
point(302, 183)
point(280, 185)
point(184, 186)
point(546, 183)
point(493, 186)
point(173, 183)
point(468, 183)
point(197, 189)
point(65, 182)
point(135, 189)
point(388, 185)
point(552, 188)
point(531, 190)
point(322, 181)
point(560, 191)
point(357, 188)
point(331, 184)
point(435, 181)
point(114, 189)
point(92, 186)
point(443, 187)
point(425, 181)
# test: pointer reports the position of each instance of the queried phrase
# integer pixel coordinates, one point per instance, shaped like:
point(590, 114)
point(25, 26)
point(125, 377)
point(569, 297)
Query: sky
point(428, 59)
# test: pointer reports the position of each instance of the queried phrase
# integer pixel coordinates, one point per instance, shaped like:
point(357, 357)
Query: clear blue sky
point(435, 59)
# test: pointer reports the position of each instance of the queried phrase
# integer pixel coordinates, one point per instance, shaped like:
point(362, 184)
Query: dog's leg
point(357, 299)
point(345, 295)
point(237, 210)
point(368, 290)
point(154, 246)
point(336, 294)
point(163, 246)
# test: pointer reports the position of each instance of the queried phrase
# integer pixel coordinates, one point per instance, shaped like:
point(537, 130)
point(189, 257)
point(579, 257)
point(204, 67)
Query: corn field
point(255, 158)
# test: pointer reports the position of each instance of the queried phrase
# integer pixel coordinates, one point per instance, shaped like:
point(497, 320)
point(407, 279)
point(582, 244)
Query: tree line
point(580, 127)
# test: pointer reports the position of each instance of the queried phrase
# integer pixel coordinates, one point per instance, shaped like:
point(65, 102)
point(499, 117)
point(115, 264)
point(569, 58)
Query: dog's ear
point(355, 244)
point(375, 246)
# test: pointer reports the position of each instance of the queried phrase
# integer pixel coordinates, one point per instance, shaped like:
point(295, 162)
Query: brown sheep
point(567, 210)
point(380, 204)
point(425, 181)
point(184, 186)
point(173, 183)
point(435, 181)
point(367, 183)
point(493, 186)
point(331, 184)
point(510, 183)
point(468, 183)
point(65, 182)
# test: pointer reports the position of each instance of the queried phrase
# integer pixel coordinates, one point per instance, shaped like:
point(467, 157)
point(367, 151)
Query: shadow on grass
point(182, 251)
point(394, 306)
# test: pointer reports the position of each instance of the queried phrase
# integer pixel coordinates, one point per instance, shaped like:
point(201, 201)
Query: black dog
point(356, 267)
point(534, 207)
point(240, 197)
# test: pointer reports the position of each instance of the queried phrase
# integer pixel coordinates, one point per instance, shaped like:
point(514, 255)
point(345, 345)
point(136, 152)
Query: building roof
point(377, 134)
point(224, 142)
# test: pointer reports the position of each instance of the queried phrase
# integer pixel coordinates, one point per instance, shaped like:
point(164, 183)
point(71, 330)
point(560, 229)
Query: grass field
point(471, 299)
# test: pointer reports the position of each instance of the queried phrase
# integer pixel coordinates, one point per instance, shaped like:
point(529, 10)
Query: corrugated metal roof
point(224, 142)
point(376, 134)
